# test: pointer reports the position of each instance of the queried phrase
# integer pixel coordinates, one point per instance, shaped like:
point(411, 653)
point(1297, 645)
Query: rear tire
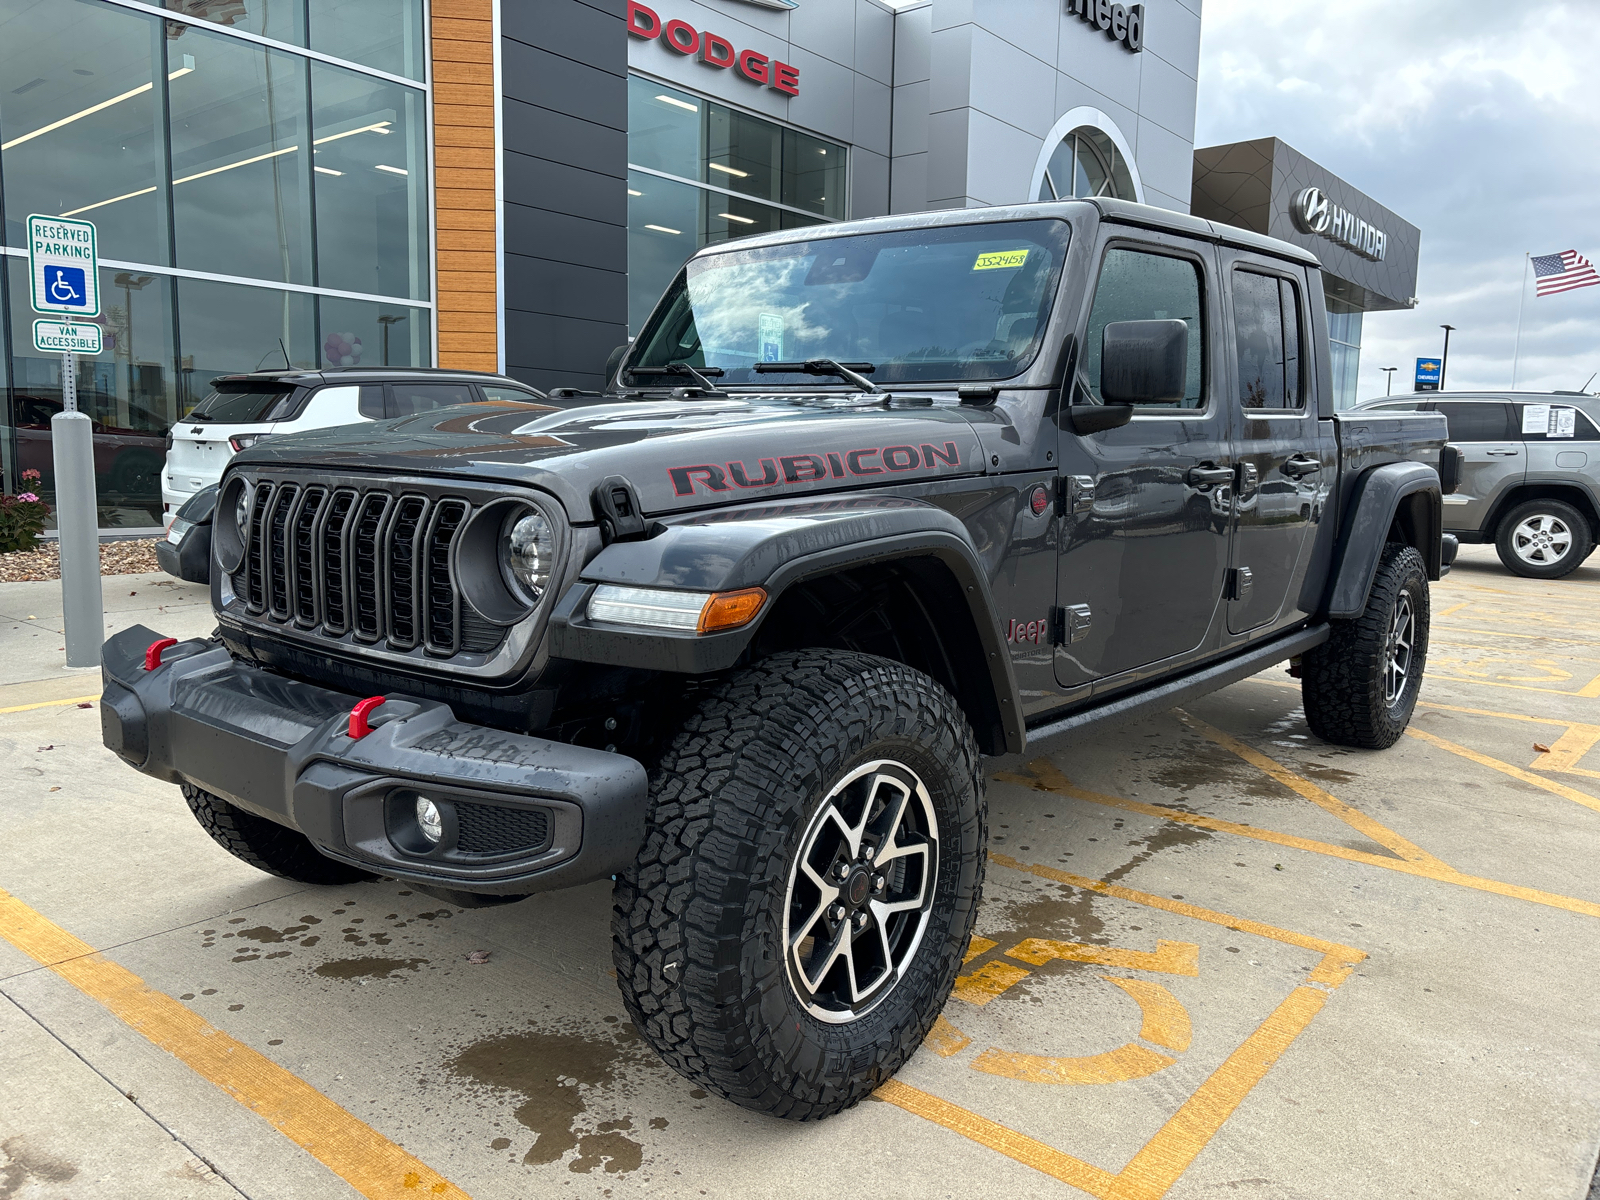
point(1360, 686)
point(266, 845)
point(812, 767)
point(1544, 539)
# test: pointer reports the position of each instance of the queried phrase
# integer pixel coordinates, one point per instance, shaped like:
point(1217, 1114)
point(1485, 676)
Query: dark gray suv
point(1530, 474)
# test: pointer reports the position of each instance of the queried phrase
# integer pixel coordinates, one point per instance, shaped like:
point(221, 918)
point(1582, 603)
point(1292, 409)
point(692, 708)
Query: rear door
point(200, 441)
point(1493, 460)
point(1280, 473)
point(1145, 536)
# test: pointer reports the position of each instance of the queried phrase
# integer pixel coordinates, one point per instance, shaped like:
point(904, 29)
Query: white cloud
point(1473, 119)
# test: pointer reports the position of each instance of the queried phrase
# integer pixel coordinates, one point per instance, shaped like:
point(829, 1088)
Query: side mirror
point(613, 361)
point(1144, 362)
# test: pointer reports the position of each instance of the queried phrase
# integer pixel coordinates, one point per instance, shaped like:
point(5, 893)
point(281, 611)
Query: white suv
point(243, 409)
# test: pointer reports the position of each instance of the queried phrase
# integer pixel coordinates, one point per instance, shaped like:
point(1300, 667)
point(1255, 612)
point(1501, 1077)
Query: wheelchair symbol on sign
point(67, 286)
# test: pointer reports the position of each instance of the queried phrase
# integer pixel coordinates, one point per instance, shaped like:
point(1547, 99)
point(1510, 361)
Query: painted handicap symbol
point(1164, 1020)
point(67, 286)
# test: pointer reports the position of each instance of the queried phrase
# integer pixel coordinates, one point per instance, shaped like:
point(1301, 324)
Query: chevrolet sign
point(1314, 213)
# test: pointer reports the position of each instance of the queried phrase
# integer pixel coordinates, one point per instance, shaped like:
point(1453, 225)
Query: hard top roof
point(305, 377)
point(1118, 211)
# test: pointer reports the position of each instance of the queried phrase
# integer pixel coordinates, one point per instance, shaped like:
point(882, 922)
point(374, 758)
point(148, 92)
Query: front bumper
point(522, 814)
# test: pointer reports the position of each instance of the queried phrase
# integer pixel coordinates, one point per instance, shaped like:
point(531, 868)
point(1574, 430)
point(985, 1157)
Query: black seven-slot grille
point(366, 565)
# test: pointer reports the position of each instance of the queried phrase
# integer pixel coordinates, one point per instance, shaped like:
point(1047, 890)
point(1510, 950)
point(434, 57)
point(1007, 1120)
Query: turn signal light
point(730, 610)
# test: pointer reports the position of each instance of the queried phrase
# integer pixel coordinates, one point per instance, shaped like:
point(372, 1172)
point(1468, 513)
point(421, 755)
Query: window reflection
point(377, 33)
point(281, 20)
point(371, 184)
point(363, 333)
point(79, 128)
point(226, 328)
point(240, 194)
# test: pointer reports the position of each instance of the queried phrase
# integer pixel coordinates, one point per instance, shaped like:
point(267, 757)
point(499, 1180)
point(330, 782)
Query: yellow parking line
point(351, 1149)
point(1568, 750)
point(1454, 608)
point(1352, 817)
point(1494, 764)
point(51, 703)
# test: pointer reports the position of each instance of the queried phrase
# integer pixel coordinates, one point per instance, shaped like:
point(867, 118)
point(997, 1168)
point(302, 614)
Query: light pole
point(386, 321)
point(1388, 379)
point(1444, 361)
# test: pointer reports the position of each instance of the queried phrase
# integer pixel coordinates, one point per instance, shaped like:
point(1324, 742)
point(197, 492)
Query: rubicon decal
point(804, 468)
point(712, 50)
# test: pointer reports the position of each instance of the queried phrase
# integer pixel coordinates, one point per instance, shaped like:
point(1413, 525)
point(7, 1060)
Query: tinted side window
point(1140, 285)
point(1478, 422)
point(514, 394)
point(413, 398)
point(1555, 423)
point(1266, 324)
point(371, 402)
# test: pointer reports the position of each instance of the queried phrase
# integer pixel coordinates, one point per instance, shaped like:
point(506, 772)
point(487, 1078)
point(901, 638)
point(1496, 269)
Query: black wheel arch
point(827, 566)
point(1397, 502)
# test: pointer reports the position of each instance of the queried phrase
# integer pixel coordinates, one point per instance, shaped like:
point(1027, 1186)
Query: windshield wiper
point(684, 370)
point(849, 372)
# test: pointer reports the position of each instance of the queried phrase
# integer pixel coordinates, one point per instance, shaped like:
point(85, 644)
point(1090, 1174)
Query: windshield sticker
point(769, 336)
point(1000, 260)
point(1535, 418)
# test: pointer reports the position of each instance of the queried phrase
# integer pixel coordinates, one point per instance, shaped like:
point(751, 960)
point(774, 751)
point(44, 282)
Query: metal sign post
point(62, 263)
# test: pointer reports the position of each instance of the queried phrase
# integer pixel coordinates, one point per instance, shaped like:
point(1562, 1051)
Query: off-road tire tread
point(1583, 539)
point(1341, 680)
point(265, 845)
point(725, 798)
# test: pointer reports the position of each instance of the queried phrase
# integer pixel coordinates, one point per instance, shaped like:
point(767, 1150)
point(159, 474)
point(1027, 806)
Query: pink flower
point(30, 475)
point(28, 497)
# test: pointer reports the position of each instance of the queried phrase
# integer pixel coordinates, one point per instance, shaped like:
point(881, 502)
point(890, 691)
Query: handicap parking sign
point(62, 262)
point(65, 285)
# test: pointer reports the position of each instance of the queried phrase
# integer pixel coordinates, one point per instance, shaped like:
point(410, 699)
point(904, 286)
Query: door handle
point(1504, 453)
point(1206, 475)
point(1301, 465)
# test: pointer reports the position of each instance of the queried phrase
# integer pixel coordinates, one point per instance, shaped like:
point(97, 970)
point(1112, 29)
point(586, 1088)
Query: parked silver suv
point(1530, 474)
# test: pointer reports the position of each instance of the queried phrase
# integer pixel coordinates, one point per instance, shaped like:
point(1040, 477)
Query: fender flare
point(775, 546)
point(1376, 500)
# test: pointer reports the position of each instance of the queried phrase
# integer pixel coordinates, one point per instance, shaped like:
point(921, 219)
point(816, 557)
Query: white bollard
point(78, 523)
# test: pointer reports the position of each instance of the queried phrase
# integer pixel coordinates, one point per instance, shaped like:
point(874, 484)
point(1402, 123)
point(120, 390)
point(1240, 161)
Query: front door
point(1281, 477)
point(1145, 535)
point(1492, 459)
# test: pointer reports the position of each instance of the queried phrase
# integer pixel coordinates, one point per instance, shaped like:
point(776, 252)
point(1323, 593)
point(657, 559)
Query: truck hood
point(678, 454)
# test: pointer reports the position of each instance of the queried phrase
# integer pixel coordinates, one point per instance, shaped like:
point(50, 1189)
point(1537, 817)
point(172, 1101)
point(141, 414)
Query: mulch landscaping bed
point(116, 558)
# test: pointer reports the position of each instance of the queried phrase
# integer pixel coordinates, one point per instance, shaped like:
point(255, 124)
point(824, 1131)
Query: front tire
point(1543, 539)
point(266, 845)
point(809, 880)
point(1360, 686)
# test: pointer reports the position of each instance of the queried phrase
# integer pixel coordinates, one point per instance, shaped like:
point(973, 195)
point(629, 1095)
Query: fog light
point(429, 819)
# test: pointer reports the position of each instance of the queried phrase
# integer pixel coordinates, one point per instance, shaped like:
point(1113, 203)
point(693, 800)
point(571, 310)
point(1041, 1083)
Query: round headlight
point(429, 819)
point(529, 555)
point(241, 512)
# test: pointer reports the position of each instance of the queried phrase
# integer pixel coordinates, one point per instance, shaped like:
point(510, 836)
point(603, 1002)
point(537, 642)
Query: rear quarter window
point(245, 407)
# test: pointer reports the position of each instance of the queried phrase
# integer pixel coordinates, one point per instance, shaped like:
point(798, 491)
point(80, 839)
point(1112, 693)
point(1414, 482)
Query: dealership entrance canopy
point(1368, 253)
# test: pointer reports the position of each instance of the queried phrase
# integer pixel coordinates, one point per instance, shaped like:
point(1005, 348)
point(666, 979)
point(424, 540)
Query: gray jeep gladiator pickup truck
point(861, 504)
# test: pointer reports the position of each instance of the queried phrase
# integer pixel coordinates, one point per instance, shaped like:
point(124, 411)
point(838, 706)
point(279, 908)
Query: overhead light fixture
point(674, 101)
point(326, 171)
point(102, 203)
point(741, 220)
point(391, 170)
point(375, 127)
point(631, 192)
point(187, 68)
point(243, 162)
point(664, 229)
point(729, 170)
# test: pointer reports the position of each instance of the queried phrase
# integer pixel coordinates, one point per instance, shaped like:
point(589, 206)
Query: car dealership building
point(508, 186)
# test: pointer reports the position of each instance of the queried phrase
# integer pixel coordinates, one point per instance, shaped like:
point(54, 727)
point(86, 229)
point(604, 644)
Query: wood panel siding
point(462, 39)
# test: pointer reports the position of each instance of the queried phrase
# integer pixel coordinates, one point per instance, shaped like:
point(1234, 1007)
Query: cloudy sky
point(1476, 120)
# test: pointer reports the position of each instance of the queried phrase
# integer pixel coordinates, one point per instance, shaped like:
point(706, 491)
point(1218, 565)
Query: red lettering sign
point(642, 21)
point(682, 37)
point(786, 78)
point(713, 51)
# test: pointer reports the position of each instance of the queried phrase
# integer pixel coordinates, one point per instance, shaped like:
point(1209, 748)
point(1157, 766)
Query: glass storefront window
point(227, 329)
point(1086, 163)
point(735, 175)
point(370, 171)
point(381, 34)
point(280, 20)
point(80, 129)
point(129, 391)
point(365, 333)
point(240, 189)
point(1344, 350)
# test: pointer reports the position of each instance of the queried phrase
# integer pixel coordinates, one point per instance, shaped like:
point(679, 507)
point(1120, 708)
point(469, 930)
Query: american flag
point(1563, 272)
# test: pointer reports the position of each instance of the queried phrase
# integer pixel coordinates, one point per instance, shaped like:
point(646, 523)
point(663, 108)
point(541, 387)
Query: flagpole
point(1522, 300)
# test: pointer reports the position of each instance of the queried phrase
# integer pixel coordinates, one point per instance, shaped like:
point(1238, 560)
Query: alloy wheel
point(1402, 640)
point(860, 892)
point(1541, 540)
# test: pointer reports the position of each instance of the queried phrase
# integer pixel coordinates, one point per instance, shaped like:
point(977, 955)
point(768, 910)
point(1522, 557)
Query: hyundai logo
point(1312, 212)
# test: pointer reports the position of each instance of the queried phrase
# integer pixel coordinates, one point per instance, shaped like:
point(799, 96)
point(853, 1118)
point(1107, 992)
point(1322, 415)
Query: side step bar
point(1183, 688)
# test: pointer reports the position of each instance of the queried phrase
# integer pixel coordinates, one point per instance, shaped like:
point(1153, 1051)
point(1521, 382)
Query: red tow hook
point(358, 717)
point(152, 654)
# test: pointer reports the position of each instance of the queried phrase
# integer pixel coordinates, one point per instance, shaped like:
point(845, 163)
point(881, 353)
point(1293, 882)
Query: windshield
point(244, 407)
point(955, 303)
